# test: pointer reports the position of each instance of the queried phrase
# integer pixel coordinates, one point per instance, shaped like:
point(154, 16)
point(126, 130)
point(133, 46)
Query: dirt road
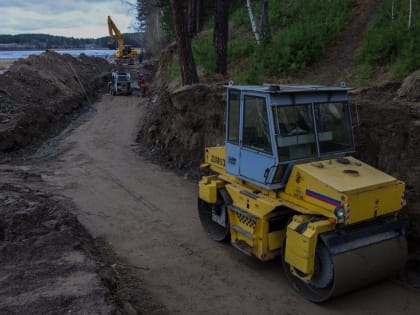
point(148, 216)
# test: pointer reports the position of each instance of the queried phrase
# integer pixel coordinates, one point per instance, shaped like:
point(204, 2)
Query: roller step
point(242, 231)
point(243, 247)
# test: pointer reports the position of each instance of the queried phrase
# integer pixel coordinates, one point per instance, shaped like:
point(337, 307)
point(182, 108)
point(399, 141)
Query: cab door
point(233, 132)
point(257, 159)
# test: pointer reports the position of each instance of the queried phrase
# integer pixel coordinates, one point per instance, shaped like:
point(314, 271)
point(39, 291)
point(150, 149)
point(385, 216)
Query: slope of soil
point(181, 123)
point(388, 139)
point(38, 94)
point(45, 266)
point(50, 264)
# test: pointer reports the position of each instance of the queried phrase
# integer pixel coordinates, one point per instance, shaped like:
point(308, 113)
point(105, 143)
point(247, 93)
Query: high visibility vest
point(142, 83)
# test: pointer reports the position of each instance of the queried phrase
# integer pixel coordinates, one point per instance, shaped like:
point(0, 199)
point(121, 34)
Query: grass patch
point(389, 41)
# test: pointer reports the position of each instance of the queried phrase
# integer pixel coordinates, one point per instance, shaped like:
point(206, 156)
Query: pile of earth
point(49, 263)
point(183, 121)
point(46, 264)
point(39, 94)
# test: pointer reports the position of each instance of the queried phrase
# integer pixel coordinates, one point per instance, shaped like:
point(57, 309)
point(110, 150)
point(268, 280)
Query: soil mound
point(37, 95)
point(45, 265)
point(181, 123)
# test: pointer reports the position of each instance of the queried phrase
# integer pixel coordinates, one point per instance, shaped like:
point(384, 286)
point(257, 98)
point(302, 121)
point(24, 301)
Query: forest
point(253, 40)
point(45, 41)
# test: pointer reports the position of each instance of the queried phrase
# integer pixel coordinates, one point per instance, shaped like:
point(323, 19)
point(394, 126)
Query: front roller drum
point(342, 266)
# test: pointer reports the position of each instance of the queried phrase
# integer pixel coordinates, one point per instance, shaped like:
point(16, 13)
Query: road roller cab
point(285, 185)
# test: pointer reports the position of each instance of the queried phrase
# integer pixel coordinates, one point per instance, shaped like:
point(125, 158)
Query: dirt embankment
point(38, 95)
point(387, 138)
point(49, 264)
point(181, 123)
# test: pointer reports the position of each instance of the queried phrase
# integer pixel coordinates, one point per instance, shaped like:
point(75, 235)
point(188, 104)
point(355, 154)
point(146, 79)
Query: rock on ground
point(410, 88)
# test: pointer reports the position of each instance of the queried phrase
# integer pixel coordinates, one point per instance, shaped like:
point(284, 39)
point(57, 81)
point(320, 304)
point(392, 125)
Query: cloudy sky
point(77, 18)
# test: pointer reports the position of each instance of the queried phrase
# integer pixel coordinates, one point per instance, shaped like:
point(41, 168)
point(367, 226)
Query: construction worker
point(142, 84)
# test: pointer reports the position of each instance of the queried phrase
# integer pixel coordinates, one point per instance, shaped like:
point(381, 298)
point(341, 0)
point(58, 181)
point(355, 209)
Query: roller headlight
point(339, 213)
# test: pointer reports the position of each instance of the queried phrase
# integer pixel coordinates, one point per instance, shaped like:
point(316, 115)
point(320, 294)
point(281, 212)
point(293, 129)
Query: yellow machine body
point(261, 219)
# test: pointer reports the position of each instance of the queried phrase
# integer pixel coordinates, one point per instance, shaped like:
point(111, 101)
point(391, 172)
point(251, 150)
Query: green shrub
point(204, 54)
point(389, 41)
point(173, 72)
point(302, 30)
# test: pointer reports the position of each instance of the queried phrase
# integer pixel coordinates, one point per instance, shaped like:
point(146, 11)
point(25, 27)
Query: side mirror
point(354, 115)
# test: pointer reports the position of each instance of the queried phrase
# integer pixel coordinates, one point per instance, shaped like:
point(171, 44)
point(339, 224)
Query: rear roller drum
point(214, 219)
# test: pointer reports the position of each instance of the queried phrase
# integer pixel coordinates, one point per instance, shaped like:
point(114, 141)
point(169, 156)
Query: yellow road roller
point(285, 184)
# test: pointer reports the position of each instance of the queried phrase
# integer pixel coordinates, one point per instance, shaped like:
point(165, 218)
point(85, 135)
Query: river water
point(15, 54)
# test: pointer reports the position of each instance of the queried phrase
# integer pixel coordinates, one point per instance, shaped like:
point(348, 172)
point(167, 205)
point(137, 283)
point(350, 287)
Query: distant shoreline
point(16, 54)
point(52, 49)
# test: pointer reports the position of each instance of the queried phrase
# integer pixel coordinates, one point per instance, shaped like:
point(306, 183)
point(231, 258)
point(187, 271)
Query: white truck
point(120, 83)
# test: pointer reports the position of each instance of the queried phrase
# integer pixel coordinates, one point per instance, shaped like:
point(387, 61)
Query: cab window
point(233, 118)
point(294, 132)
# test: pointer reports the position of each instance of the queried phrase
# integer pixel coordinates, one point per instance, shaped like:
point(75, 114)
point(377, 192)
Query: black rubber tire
point(214, 230)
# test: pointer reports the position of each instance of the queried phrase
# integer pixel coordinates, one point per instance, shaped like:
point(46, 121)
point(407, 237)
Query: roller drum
point(356, 259)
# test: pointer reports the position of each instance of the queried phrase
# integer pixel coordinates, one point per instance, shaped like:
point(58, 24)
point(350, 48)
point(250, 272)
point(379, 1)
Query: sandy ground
point(5, 64)
point(148, 216)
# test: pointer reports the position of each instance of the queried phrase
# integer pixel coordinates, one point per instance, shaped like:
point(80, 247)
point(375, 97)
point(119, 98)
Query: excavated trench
point(49, 264)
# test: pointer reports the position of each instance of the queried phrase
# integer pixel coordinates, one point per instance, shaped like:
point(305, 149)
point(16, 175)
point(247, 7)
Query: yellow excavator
point(285, 185)
point(124, 52)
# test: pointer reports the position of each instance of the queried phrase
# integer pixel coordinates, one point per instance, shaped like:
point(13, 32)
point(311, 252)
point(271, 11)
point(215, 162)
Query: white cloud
point(77, 18)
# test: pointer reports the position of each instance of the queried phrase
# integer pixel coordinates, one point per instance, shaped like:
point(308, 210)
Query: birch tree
point(410, 11)
point(253, 24)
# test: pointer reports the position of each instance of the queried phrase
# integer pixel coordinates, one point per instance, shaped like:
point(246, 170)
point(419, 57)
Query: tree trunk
point(220, 35)
point(410, 10)
point(265, 29)
point(192, 18)
point(392, 10)
point(199, 16)
point(253, 25)
point(183, 41)
point(195, 17)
